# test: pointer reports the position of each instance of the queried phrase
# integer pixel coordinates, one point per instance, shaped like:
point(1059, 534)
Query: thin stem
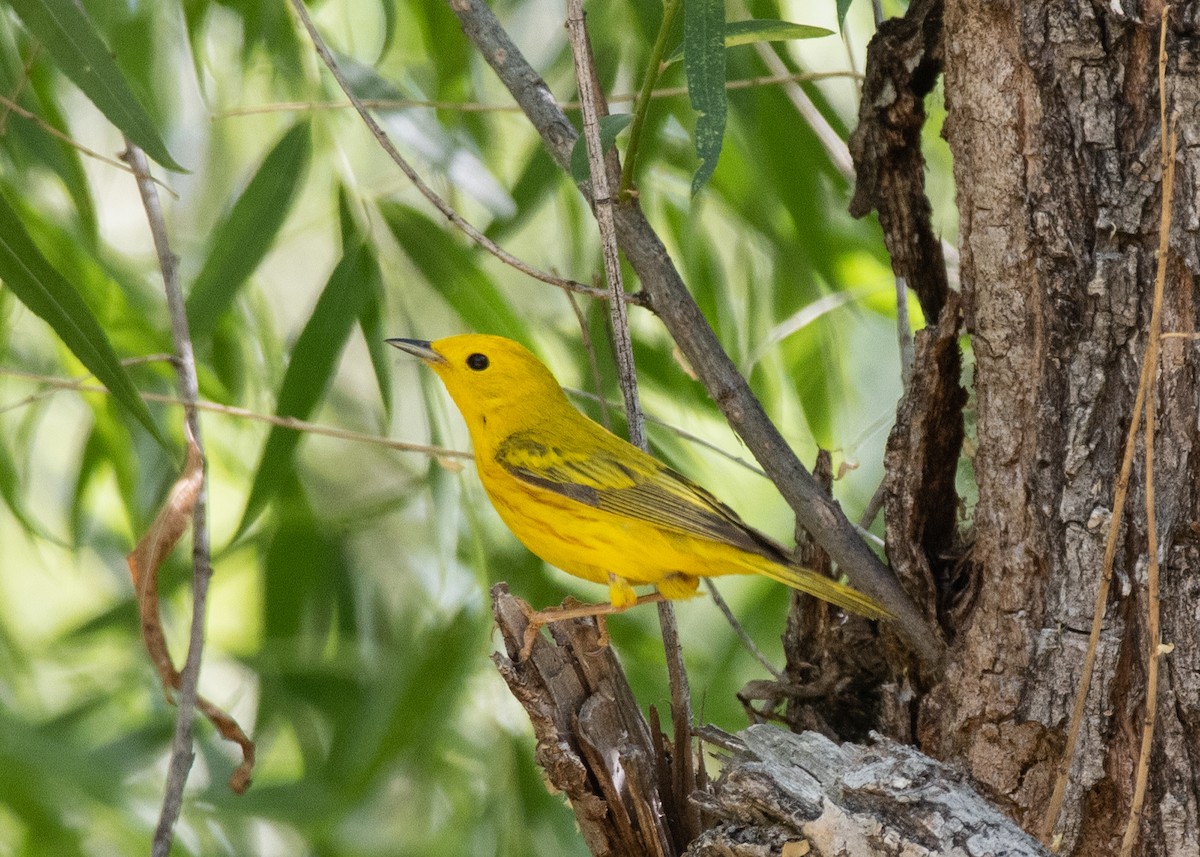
point(1145, 393)
point(642, 106)
point(603, 205)
point(904, 334)
point(12, 106)
point(243, 413)
point(835, 147)
point(478, 107)
point(1153, 343)
point(738, 629)
point(676, 430)
point(181, 746)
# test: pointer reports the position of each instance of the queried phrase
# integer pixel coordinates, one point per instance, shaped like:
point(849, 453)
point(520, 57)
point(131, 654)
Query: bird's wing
point(631, 485)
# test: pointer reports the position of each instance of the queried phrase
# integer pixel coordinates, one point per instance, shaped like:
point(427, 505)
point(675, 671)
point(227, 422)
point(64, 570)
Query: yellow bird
point(590, 503)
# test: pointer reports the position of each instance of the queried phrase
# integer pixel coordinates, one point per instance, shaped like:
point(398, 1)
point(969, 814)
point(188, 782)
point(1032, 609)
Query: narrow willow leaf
point(766, 30)
point(243, 238)
point(64, 159)
point(843, 6)
point(761, 30)
point(371, 322)
point(311, 367)
point(371, 319)
point(71, 38)
point(610, 127)
point(46, 292)
point(704, 63)
point(453, 273)
point(14, 497)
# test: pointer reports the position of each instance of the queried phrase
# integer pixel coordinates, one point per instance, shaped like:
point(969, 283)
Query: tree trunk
point(1053, 121)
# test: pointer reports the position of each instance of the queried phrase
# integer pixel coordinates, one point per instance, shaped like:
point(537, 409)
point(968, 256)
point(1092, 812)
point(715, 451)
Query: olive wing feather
point(633, 486)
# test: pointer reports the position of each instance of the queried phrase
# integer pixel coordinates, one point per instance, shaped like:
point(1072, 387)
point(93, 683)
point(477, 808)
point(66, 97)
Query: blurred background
point(348, 627)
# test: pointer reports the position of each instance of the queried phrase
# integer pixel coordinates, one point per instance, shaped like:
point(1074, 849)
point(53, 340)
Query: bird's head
point(489, 377)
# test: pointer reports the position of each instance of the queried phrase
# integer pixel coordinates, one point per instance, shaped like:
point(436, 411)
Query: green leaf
point(843, 6)
point(610, 127)
point(766, 30)
point(66, 31)
point(371, 322)
point(704, 63)
point(46, 292)
point(537, 180)
point(761, 30)
point(310, 370)
point(442, 261)
point(371, 319)
point(242, 240)
point(11, 491)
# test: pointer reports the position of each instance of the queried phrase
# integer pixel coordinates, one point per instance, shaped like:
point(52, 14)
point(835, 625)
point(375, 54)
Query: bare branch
point(181, 746)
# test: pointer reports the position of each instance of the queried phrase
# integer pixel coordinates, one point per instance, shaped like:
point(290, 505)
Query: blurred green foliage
point(348, 623)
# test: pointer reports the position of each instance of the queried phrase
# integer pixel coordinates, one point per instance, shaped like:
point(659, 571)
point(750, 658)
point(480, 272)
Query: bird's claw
point(531, 634)
point(538, 619)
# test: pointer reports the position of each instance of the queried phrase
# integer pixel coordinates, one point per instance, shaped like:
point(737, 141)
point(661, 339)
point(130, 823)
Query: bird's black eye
point(477, 361)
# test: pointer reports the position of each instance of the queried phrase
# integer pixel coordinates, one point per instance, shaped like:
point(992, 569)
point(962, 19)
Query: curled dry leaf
point(169, 525)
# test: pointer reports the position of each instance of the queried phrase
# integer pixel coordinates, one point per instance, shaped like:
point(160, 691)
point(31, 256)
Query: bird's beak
point(418, 348)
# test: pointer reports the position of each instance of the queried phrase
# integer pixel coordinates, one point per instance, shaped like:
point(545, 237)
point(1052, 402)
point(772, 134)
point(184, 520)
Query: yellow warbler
point(587, 501)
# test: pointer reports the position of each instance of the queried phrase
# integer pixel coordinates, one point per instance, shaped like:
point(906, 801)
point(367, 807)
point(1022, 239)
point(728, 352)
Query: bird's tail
point(824, 588)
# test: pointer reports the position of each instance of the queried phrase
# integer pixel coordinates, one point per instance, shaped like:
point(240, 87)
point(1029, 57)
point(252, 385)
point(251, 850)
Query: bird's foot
point(538, 619)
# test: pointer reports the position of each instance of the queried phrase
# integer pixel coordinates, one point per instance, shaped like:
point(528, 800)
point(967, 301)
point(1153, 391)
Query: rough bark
point(785, 794)
point(904, 61)
point(1053, 123)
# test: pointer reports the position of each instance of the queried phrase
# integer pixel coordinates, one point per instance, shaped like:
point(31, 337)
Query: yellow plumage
point(590, 503)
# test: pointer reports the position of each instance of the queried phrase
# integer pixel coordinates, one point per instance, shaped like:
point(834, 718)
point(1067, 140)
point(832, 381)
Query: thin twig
point(234, 411)
point(1153, 343)
point(59, 135)
point(873, 506)
point(681, 433)
point(21, 84)
point(55, 387)
point(602, 203)
point(479, 107)
point(904, 334)
point(429, 193)
point(738, 629)
point(189, 390)
point(835, 147)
